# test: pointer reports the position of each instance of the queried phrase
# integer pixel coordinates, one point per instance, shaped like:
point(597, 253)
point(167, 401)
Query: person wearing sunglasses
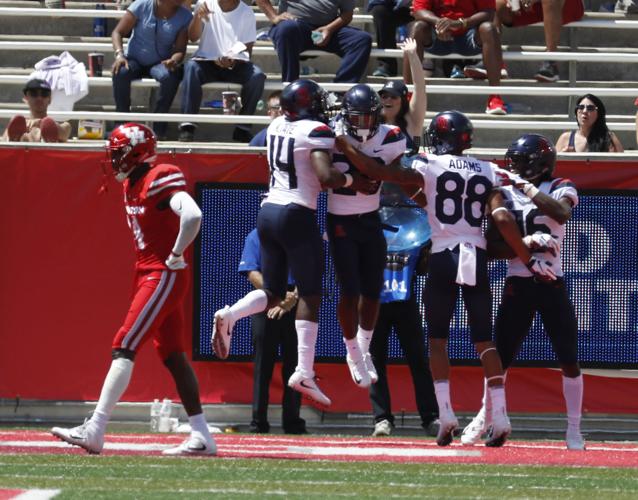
point(592, 135)
point(38, 127)
point(273, 107)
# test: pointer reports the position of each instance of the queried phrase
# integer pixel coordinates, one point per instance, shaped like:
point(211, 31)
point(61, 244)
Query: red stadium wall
point(66, 265)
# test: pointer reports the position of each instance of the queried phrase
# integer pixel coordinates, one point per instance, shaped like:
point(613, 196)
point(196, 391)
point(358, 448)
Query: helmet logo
point(134, 135)
point(442, 123)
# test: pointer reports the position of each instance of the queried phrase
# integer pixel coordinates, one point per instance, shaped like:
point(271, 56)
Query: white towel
point(67, 78)
point(466, 273)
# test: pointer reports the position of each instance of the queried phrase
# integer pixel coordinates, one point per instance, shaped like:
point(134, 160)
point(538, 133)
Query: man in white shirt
point(226, 32)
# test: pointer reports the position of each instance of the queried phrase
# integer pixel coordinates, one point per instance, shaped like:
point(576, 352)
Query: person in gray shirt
point(317, 24)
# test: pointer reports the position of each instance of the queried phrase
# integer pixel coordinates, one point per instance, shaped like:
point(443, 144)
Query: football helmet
point(531, 156)
point(304, 100)
point(450, 132)
point(361, 110)
point(130, 145)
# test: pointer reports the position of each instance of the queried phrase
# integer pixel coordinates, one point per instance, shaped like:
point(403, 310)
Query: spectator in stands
point(226, 31)
point(273, 107)
point(388, 15)
point(627, 7)
point(318, 24)
point(592, 135)
point(461, 27)
point(38, 127)
point(156, 48)
point(272, 328)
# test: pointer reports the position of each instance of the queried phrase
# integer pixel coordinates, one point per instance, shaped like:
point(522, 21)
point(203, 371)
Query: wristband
point(463, 22)
point(530, 190)
point(119, 52)
point(349, 180)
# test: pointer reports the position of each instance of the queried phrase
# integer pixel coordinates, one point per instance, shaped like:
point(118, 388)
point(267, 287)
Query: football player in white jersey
point(354, 227)
point(457, 189)
point(541, 208)
point(299, 145)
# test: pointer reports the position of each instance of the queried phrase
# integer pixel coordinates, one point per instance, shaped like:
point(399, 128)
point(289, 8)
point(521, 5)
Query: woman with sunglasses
point(592, 135)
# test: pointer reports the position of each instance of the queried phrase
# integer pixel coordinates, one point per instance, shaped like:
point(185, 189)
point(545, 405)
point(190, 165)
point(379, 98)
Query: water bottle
point(401, 33)
point(165, 416)
point(99, 23)
point(261, 105)
point(155, 415)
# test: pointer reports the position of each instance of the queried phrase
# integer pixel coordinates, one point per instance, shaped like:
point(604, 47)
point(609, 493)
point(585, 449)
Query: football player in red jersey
point(164, 220)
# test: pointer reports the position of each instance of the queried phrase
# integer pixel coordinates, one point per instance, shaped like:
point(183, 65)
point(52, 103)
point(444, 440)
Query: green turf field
point(84, 476)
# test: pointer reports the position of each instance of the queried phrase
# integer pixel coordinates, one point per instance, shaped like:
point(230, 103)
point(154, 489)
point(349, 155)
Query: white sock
point(442, 391)
point(364, 337)
point(352, 346)
point(115, 383)
point(198, 424)
point(306, 340)
point(497, 398)
point(573, 394)
point(252, 303)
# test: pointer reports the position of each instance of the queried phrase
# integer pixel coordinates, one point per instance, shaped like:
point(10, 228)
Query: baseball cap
point(36, 83)
point(395, 88)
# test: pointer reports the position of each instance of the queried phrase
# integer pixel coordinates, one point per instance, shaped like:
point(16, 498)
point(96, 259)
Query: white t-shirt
point(289, 144)
point(223, 30)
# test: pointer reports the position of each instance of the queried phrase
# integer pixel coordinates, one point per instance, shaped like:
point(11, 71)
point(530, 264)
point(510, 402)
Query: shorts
point(573, 10)
point(465, 44)
point(156, 312)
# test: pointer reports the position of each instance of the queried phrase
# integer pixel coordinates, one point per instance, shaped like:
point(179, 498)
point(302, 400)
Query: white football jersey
point(457, 189)
point(531, 220)
point(289, 144)
point(384, 146)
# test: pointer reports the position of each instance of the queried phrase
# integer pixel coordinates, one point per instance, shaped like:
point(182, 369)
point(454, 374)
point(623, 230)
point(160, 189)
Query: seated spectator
point(309, 24)
point(461, 27)
point(592, 135)
point(38, 127)
point(273, 109)
point(388, 15)
point(156, 48)
point(627, 7)
point(226, 31)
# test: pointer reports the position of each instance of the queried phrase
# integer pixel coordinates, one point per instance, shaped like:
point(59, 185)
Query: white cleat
point(372, 371)
point(195, 445)
point(382, 428)
point(474, 430)
point(223, 324)
point(309, 388)
point(84, 436)
point(498, 431)
point(359, 372)
point(447, 426)
point(574, 439)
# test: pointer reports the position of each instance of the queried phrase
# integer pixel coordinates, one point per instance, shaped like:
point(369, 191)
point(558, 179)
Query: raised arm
point(418, 103)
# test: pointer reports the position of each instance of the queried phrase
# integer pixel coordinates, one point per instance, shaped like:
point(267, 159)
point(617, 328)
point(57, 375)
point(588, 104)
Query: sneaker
point(548, 72)
point(309, 388)
point(259, 427)
point(382, 428)
point(381, 71)
point(432, 428)
point(222, 331)
point(457, 73)
point(359, 371)
point(574, 439)
point(479, 72)
point(627, 7)
point(498, 431)
point(48, 130)
point(187, 132)
point(495, 105)
point(84, 436)
point(372, 371)
point(447, 426)
point(16, 128)
point(474, 430)
point(195, 445)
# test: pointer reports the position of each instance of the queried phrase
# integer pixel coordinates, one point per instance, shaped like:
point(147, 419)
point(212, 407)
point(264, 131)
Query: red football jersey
point(154, 230)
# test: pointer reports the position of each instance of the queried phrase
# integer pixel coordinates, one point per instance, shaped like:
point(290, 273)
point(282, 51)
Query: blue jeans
point(168, 81)
point(291, 38)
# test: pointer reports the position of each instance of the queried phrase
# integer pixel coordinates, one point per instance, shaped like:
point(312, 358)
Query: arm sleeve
point(190, 218)
point(250, 258)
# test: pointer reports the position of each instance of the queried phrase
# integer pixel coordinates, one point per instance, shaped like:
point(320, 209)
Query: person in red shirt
point(164, 220)
point(461, 27)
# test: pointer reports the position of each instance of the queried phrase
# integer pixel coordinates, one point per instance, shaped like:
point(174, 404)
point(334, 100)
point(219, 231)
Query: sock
point(364, 337)
point(306, 340)
point(352, 346)
point(442, 391)
point(573, 394)
point(252, 303)
point(198, 424)
point(115, 384)
point(497, 398)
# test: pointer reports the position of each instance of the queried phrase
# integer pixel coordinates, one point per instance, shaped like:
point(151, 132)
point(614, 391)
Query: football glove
point(541, 269)
point(175, 262)
point(542, 242)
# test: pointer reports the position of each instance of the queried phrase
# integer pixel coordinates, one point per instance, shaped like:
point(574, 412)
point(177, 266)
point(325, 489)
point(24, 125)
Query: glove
point(541, 269)
point(542, 242)
point(175, 262)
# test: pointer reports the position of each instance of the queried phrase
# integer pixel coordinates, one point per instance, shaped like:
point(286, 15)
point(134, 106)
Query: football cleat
point(447, 426)
point(359, 371)
point(84, 436)
point(498, 431)
point(475, 429)
point(309, 388)
point(574, 439)
point(223, 324)
point(195, 445)
point(372, 371)
point(382, 428)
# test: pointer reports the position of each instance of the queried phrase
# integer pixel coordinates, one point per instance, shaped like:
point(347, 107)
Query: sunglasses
point(38, 93)
point(274, 108)
point(588, 107)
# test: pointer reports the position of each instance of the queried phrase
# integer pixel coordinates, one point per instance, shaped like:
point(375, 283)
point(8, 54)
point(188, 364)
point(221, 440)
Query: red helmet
point(130, 145)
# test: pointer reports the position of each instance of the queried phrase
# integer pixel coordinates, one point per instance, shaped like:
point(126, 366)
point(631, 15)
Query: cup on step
point(96, 61)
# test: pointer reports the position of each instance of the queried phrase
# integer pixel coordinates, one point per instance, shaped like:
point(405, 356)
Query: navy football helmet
point(361, 110)
point(450, 132)
point(304, 100)
point(531, 156)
